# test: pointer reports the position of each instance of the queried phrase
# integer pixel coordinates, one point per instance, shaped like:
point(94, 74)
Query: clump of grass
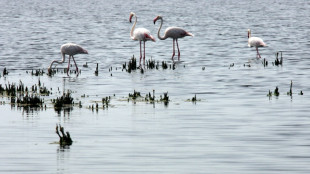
point(172, 66)
point(194, 99)
point(65, 99)
point(134, 95)
point(278, 62)
point(5, 72)
point(164, 65)
point(44, 91)
point(97, 71)
point(38, 72)
point(32, 101)
point(149, 97)
point(132, 65)
point(165, 99)
point(105, 102)
point(276, 92)
point(1, 89)
point(51, 72)
point(150, 64)
point(290, 93)
point(64, 138)
point(10, 89)
point(265, 62)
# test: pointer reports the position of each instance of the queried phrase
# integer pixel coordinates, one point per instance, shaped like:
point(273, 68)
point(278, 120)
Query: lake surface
point(234, 127)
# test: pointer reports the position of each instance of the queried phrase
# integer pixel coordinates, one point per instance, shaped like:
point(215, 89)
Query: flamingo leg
point(68, 65)
point(77, 69)
point(140, 53)
point(144, 53)
point(178, 49)
point(258, 55)
point(173, 53)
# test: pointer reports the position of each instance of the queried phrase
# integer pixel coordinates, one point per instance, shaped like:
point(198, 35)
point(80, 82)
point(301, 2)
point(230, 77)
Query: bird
point(140, 34)
point(255, 42)
point(70, 49)
point(172, 32)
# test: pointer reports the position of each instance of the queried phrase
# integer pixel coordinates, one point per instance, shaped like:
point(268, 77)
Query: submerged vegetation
point(150, 64)
point(149, 98)
point(278, 62)
point(30, 100)
point(62, 101)
point(64, 138)
point(289, 93)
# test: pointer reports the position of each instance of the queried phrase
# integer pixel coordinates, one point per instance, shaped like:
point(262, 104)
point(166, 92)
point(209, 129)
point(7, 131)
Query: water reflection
point(28, 110)
point(63, 110)
point(63, 154)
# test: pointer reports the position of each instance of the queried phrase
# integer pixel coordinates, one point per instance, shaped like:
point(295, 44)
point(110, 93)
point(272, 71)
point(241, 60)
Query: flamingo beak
point(130, 17)
point(150, 37)
point(155, 20)
point(249, 33)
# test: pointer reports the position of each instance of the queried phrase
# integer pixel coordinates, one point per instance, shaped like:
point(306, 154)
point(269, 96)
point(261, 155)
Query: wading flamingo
point(174, 33)
point(140, 34)
point(70, 49)
point(255, 42)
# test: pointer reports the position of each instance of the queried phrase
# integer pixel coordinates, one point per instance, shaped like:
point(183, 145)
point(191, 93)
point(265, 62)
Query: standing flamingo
point(70, 49)
point(140, 34)
point(255, 42)
point(174, 33)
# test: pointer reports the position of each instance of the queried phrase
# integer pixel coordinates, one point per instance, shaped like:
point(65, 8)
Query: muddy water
point(234, 127)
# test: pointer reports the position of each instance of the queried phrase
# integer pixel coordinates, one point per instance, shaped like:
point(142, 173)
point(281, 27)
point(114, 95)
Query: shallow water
point(234, 127)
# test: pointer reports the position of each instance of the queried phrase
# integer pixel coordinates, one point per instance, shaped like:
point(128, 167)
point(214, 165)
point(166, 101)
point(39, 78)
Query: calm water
point(233, 128)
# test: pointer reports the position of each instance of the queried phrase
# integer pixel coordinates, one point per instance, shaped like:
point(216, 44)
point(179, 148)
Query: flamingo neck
point(55, 61)
point(133, 27)
point(158, 33)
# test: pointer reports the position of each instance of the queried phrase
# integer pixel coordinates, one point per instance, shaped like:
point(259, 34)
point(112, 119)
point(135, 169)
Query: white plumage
point(70, 49)
point(255, 42)
point(140, 34)
point(172, 32)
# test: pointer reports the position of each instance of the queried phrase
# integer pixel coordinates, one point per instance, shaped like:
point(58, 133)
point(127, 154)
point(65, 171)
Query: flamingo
point(173, 32)
point(255, 42)
point(140, 34)
point(70, 49)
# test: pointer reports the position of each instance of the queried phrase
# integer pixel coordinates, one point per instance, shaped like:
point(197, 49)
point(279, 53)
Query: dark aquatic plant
point(265, 62)
point(150, 98)
point(38, 72)
point(165, 99)
point(291, 89)
point(65, 99)
point(194, 99)
point(31, 101)
point(150, 64)
point(278, 62)
point(132, 65)
point(135, 95)
point(64, 138)
point(106, 101)
point(164, 65)
point(276, 92)
point(96, 72)
point(5, 72)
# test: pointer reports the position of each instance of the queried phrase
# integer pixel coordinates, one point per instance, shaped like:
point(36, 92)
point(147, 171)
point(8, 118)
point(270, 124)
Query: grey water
point(234, 127)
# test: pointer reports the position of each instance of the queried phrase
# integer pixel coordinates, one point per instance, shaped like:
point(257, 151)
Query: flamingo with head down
point(172, 32)
point(255, 42)
point(141, 35)
point(70, 49)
